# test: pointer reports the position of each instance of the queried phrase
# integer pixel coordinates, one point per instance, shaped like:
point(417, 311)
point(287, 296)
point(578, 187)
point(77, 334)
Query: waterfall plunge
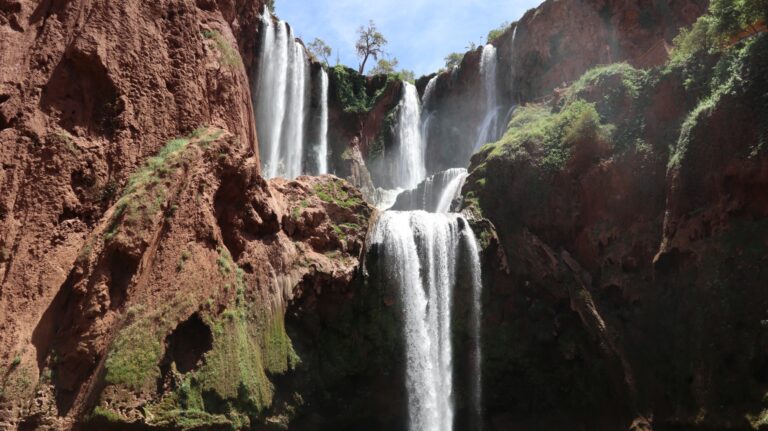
point(282, 100)
point(421, 253)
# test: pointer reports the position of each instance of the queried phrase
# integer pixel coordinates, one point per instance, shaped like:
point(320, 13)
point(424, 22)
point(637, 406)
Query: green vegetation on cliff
point(148, 189)
point(549, 135)
point(230, 387)
point(357, 93)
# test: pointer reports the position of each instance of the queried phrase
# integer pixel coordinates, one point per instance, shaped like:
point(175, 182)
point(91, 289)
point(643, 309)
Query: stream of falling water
point(487, 129)
point(408, 167)
point(282, 100)
point(430, 254)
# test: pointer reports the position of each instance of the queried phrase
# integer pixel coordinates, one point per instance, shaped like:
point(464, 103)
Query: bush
point(547, 136)
point(497, 32)
point(352, 91)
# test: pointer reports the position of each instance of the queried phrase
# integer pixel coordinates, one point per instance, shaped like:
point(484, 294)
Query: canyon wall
point(623, 276)
point(627, 279)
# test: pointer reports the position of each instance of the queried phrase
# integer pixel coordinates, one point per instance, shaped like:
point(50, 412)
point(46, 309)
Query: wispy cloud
point(420, 32)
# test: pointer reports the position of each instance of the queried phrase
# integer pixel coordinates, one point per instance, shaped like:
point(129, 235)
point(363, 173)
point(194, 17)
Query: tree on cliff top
point(320, 50)
point(370, 43)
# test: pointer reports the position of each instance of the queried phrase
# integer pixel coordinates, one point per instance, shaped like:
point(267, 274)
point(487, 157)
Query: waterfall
point(293, 135)
point(281, 98)
point(487, 130)
point(408, 166)
point(434, 194)
point(422, 254)
point(428, 113)
point(321, 148)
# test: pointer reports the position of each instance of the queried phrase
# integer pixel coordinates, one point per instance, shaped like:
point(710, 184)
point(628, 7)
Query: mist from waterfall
point(282, 100)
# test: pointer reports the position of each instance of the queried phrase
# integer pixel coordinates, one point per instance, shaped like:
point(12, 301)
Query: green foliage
point(320, 50)
point(497, 32)
point(389, 67)
point(352, 91)
point(147, 189)
point(453, 60)
point(549, 136)
point(737, 72)
point(229, 55)
point(712, 31)
point(700, 38)
point(335, 193)
point(134, 356)
point(629, 79)
point(733, 16)
point(105, 415)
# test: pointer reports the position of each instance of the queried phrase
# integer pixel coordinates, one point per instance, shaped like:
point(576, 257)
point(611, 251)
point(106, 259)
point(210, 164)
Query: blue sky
point(420, 32)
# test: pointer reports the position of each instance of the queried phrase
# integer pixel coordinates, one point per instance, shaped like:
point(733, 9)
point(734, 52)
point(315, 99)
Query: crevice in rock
point(122, 267)
point(187, 344)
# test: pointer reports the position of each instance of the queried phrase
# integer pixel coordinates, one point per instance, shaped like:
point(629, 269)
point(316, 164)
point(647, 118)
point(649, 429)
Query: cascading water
point(487, 129)
point(408, 166)
point(435, 194)
point(425, 254)
point(282, 100)
point(421, 252)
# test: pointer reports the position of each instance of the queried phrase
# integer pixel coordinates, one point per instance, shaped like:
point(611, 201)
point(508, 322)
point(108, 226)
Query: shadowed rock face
point(629, 268)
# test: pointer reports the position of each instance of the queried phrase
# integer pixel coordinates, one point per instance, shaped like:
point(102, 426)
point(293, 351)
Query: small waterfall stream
point(282, 101)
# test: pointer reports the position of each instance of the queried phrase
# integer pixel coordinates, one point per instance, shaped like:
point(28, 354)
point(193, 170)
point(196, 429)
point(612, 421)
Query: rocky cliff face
point(150, 278)
point(137, 236)
point(551, 45)
point(635, 240)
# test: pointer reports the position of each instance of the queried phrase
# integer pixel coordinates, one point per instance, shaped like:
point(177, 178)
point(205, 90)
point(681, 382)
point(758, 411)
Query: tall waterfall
point(487, 130)
point(321, 148)
point(422, 252)
point(282, 101)
point(408, 166)
point(434, 194)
